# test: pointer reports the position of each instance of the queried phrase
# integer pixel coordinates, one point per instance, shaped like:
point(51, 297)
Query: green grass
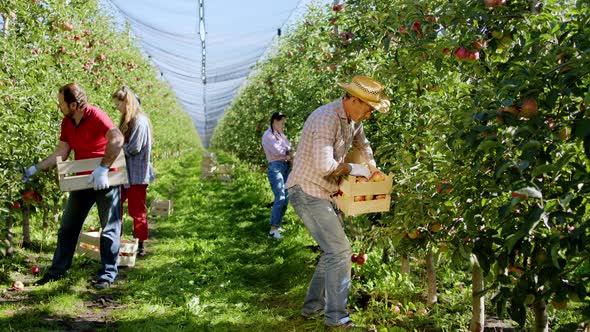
point(211, 267)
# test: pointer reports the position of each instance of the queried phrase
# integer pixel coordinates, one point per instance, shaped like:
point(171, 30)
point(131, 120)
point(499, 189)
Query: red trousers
point(137, 209)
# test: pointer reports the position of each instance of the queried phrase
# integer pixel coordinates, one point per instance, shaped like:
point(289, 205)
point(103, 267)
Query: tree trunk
point(385, 256)
point(541, 320)
point(56, 211)
point(10, 249)
point(431, 278)
point(45, 217)
point(405, 264)
point(6, 25)
point(478, 303)
point(26, 226)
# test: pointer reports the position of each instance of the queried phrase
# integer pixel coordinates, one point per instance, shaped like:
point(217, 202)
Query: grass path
point(210, 267)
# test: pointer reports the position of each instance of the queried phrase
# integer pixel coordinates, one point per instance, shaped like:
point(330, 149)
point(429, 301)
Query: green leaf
point(544, 169)
point(582, 128)
point(530, 192)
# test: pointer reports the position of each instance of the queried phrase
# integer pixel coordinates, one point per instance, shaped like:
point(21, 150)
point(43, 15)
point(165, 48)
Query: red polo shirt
point(87, 139)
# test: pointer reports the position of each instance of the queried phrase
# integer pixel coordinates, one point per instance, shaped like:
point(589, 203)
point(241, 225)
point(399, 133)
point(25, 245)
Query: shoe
point(281, 229)
point(275, 234)
point(349, 326)
point(140, 249)
point(312, 315)
point(102, 284)
point(45, 279)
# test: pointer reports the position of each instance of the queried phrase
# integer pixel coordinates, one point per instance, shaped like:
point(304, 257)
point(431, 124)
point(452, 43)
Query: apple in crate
point(361, 179)
point(359, 198)
point(377, 176)
point(382, 196)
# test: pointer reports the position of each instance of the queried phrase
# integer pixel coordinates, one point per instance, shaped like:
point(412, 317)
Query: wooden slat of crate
point(350, 188)
point(89, 245)
point(351, 208)
point(69, 182)
point(225, 169)
point(161, 207)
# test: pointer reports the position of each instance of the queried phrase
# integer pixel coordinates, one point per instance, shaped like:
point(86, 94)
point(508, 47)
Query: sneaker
point(275, 234)
point(45, 279)
point(312, 315)
point(349, 326)
point(140, 249)
point(102, 284)
point(281, 229)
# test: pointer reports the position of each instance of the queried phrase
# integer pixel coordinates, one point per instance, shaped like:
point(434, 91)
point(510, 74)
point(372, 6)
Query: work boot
point(140, 249)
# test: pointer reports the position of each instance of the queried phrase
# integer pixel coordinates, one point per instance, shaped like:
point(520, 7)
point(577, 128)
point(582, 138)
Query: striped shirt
point(137, 153)
point(326, 138)
point(276, 145)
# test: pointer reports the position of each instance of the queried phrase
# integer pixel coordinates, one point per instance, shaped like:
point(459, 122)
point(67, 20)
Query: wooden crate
point(89, 245)
point(161, 207)
point(226, 169)
point(349, 189)
point(68, 171)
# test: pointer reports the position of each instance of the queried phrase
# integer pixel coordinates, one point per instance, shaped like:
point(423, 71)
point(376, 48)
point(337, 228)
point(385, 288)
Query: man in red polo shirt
point(90, 133)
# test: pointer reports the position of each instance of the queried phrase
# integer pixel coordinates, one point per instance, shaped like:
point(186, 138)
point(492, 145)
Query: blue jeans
point(278, 172)
point(79, 203)
point(330, 284)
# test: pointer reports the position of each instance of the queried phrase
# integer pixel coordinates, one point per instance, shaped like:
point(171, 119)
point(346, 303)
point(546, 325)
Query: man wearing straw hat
point(327, 136)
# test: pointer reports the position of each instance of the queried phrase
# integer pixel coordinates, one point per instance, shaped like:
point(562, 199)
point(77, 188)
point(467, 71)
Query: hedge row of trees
point(488, 137)
point(44, 45)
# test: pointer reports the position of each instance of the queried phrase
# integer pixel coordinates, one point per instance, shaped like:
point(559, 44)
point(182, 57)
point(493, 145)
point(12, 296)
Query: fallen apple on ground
point(18, 285)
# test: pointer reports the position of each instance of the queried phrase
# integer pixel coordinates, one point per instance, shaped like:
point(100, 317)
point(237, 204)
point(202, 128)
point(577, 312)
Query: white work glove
point(360, 170)
point(100, 176)
point(28, 172)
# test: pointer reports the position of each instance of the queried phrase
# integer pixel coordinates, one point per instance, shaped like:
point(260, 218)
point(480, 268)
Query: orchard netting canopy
point(206, 49)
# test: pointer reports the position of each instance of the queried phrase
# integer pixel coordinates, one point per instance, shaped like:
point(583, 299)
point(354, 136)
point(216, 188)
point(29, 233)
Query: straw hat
point(369, 91)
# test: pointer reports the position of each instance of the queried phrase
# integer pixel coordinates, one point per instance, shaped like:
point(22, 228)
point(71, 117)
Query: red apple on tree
point(353, 258)
point(490, 3)
point(528, 108)
point(35, 270)
point(414, 235)
point(361, 259)
point(31, 196)
point(461, 53)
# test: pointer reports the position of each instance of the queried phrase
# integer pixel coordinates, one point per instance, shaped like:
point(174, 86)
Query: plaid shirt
point(325, 140)
point(276, 145)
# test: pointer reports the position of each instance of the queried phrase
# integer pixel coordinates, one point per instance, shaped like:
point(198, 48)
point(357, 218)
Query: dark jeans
point(278, 172)
point(108, 203)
